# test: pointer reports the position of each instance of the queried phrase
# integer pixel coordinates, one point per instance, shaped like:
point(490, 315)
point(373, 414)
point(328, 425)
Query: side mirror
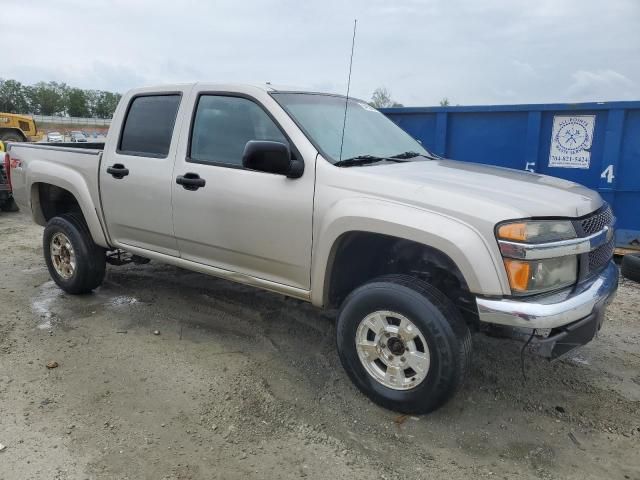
point(271, 157)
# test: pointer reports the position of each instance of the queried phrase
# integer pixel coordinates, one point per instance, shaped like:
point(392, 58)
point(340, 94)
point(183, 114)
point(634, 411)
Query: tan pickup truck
point(285, 191)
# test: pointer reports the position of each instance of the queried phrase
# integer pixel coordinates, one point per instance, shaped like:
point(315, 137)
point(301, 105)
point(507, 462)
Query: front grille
point(593, 262)
point(601, 256)
point(596, 222)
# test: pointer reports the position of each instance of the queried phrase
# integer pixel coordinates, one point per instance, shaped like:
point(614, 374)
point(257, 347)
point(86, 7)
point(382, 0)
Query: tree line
point(381, 98)
point(54, 98)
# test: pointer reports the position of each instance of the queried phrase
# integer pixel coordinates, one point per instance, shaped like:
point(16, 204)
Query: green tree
point(54, 98)
point(48, 98)
point(92, 100)
point(444, 102)
point(381, 98)
point(13, 98)
point(105, 104)
point(77, 103)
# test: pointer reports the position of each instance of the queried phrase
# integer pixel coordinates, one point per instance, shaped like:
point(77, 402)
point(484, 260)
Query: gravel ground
point(241, 383)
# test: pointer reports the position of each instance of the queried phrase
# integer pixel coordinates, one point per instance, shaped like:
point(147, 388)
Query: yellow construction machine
point(18, 128)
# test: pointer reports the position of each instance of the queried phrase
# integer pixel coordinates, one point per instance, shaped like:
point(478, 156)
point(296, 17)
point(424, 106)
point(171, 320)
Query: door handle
point(118, 171)
point(190, 181)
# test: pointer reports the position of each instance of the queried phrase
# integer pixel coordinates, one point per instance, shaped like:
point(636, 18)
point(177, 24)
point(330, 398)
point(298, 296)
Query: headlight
point(538, 231)
point(541, 275)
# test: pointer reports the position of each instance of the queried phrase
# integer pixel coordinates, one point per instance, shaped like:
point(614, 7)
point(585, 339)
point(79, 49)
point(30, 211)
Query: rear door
point(136, 172)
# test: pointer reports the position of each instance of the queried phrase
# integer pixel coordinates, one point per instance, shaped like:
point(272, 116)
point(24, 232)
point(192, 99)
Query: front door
point(136, 175)
point(254, 223)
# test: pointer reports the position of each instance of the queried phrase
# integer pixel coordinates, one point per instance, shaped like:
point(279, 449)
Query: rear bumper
point(553, 311)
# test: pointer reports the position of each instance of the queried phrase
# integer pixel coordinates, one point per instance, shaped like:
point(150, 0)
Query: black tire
point(9, 206)
point(11, 137)
point(439, 321)
point(90, 258)
point(631, 266)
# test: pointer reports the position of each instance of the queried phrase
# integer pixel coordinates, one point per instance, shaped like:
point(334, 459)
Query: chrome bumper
point(554, 310)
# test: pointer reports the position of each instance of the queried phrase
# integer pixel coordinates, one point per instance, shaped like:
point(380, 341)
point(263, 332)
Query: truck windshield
point(367, 133)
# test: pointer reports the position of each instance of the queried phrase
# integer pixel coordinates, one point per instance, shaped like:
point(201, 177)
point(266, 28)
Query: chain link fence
point(98, 122)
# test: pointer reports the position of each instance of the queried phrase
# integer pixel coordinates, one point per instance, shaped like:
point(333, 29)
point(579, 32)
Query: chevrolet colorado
point(322, 198)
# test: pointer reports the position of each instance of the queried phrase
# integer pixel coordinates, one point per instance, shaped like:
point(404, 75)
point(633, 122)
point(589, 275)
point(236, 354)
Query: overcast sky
point(473, 52)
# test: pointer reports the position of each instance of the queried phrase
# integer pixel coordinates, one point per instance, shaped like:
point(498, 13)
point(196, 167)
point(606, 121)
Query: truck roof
point(265, 87)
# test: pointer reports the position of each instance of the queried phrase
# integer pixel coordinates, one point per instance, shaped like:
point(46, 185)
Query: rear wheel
point(75, 262)
point(403, 344)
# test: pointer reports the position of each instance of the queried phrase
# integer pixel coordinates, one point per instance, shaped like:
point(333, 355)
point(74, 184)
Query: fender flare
point(68, 179)
point(462, 243)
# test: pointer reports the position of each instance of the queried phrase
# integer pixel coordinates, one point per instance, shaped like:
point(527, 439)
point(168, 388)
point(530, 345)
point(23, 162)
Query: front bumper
point(570, 318)
point(556, 310)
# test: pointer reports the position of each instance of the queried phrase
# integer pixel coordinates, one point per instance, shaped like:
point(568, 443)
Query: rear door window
point(148, 126)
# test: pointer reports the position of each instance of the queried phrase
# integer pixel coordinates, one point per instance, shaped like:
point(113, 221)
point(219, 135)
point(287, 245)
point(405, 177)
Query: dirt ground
point(241, 383)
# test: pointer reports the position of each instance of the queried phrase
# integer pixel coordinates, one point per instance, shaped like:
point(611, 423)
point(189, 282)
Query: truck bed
point(72, 164)
point(77, 145)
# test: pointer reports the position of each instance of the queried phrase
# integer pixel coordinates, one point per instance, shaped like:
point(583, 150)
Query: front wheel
point(75, 262)
point(403, 343)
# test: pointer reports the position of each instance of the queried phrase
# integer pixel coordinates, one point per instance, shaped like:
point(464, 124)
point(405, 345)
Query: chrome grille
point(597, 221)
point(593, 262)
point(601, 256)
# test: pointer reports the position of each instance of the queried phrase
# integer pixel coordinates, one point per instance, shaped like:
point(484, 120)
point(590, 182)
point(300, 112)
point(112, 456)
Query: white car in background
point(55, 137)
point(78, 137)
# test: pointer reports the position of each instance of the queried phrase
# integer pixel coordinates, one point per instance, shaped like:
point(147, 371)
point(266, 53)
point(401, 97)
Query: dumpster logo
point(571, 141)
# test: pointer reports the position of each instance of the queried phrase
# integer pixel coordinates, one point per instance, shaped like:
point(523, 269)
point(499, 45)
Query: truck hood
point(482, 190)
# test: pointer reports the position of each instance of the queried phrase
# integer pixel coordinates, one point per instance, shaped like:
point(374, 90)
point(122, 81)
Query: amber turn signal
point(519, 274)
point(513, 231)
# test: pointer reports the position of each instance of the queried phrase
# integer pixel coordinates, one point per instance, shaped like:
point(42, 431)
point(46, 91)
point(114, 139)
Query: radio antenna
point(346, 100)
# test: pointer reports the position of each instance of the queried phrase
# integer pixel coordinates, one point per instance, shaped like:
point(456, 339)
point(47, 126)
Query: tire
point(438, 322)
point(631, 266)
point(9, 206)
point(11, 137)
point(90, 259)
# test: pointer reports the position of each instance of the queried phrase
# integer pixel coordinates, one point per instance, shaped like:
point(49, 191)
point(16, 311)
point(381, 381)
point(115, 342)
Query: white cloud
point(494, 51)
point(602, 85)
point(523, 67)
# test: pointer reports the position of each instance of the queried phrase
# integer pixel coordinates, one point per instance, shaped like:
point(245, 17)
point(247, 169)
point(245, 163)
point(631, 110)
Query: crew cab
point(322, 198)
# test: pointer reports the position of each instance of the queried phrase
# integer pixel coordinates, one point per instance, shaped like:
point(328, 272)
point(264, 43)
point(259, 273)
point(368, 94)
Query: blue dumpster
point(595, 144)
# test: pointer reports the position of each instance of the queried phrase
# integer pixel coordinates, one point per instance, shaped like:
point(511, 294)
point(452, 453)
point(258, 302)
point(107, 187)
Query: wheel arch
point(54, 198)
point(444, 240)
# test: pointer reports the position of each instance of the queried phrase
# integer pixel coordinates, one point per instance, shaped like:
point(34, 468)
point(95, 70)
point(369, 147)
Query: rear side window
point(148, 127)
point(223, 126)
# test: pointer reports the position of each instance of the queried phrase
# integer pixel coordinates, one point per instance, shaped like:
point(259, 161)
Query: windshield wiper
point(408, 155)
point(359, 160)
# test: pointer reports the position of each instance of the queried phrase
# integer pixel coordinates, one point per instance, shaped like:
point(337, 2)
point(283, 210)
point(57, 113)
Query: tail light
point(7, 169)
